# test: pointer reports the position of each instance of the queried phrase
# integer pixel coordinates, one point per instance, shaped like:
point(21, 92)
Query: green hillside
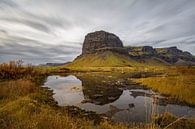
point(111, 59)
point(104, 49)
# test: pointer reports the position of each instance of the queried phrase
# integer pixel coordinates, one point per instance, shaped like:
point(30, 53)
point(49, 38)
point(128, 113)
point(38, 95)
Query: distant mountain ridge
point(171, 55)
point(102, 48)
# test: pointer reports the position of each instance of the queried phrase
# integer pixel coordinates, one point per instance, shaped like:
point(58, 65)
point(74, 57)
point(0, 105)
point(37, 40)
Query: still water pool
point(120, 100)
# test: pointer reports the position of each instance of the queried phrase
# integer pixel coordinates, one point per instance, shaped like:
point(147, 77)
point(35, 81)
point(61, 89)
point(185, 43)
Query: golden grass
point(177, 82)
point(168, 121)
point(23, 104)
point(14, 70)
point(13, 89)
point(126, 69)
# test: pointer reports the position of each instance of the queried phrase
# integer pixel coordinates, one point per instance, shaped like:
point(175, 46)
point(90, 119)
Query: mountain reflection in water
point(118, 98)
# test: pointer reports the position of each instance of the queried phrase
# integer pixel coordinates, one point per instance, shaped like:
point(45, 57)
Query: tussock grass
point(25, 105)
point(125, 69)
point(15, 70)
point(177, 82)
point(168, 121)
point(14, 89)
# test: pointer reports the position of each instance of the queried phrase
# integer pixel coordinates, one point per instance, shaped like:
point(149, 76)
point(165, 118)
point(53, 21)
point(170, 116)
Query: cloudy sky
point(40, 31)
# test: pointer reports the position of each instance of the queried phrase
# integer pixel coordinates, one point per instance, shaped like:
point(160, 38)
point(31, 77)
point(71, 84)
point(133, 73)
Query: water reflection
point(112, 96)
point(99, 91)
point(67, 90)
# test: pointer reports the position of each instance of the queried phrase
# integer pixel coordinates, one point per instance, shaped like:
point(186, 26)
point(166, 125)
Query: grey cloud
point(9, 3)
point(53, 21)
point(37, 53)
point(37, 25)
point(64, 24)
point(34, 24)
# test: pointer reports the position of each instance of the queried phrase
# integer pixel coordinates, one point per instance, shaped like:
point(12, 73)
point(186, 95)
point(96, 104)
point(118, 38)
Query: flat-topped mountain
point(102, 48)
point(100, 39)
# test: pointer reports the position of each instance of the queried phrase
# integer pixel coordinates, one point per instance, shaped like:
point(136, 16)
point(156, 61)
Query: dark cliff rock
point(100, 43)
point(140, 52)
point(100, 40)
point(174, 50)
point(172, 55)
point(149, 49)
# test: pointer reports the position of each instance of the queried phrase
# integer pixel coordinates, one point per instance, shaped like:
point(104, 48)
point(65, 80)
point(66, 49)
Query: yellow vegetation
point(14, 70)
point(25, 105)
point(177, 82)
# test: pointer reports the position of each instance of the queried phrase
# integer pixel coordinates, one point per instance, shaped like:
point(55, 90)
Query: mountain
point(102, 48)
point(54, 64)
point(170, 55)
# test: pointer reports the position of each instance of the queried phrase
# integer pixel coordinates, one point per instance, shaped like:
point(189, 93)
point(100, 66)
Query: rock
point(86, 101)
point(173, 55)
point(100, 40)
point(187, 53)
point(131, 105)
point(100, 45)
point(149, 49)
point(174, 50)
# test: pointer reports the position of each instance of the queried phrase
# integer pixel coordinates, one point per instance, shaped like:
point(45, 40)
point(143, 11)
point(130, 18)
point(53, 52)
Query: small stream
point(122, 102)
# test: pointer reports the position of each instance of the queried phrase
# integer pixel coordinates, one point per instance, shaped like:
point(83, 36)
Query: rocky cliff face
point(170, 55)
point(148, 49)
point(100, 40)
point(173, 55)
point(97, 45)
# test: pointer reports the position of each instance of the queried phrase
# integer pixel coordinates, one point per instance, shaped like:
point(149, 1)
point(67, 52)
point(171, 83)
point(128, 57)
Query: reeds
point(177, 83)
point(13, 89)
point(15, 70)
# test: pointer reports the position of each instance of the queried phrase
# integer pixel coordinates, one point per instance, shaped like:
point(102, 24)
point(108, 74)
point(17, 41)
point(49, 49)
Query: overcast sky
point(40, 31)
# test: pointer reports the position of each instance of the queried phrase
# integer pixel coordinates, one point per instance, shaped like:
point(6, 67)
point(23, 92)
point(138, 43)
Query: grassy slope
point(110, 59)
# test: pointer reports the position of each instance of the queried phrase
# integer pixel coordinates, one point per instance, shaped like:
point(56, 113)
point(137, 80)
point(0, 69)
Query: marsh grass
point(178, 83)
point(124, 69)
point(168, 121)
point(15, 70)
point(10, 90)
point(25, 105)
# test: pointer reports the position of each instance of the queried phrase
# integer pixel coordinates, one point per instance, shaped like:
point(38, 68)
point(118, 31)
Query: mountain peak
point(99, 40)
point(101, 48)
